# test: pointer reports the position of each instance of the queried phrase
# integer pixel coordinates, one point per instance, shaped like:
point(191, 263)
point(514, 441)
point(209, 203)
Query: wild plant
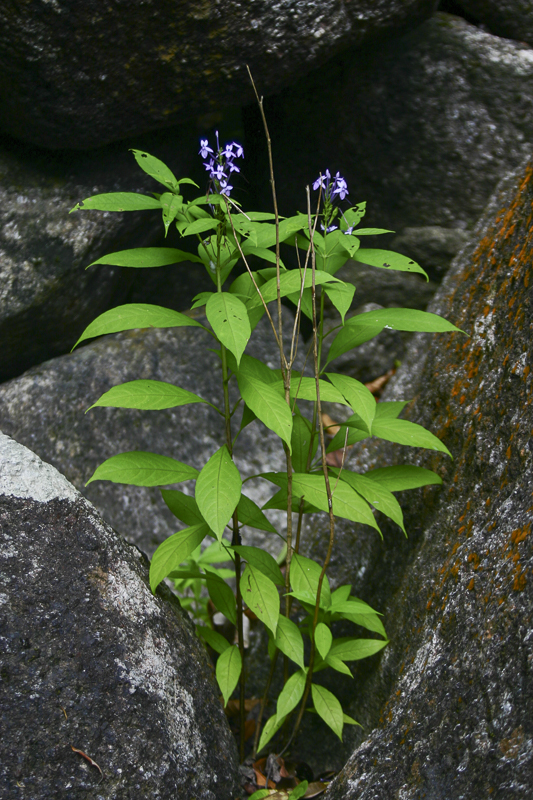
point(291, 596)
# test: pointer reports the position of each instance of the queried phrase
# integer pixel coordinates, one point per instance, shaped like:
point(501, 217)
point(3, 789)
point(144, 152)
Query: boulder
point(422, 129)
point(93, 665)
point(81, 75)
point(45, 408)
point(510, 18)
point(448, 707)
point(47, 296)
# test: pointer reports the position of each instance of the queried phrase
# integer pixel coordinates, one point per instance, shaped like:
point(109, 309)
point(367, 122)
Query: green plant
point(287, 402)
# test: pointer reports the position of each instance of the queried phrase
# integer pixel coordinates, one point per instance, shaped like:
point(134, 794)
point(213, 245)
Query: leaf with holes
point(156, 169)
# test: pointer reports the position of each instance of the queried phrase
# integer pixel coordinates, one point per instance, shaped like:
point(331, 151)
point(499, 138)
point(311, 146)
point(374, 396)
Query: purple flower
point(204, 148)
point(329, 229)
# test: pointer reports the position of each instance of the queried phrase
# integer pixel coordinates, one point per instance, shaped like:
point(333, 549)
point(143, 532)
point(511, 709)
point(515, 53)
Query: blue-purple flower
point(222, 164)
point(331, 187)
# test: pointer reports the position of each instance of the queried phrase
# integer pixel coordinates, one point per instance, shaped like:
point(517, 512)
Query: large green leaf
point(184, 507)
point(200, 226)
point(390, 409)
point(403, 432)
point(173, 552)
point(339, 440)
point(291, 694)
point(156, 169)
point(404, 319)
point(346, 502)
point(146, 257)
point(117, 201)
point(387, 259)
point(341, 296)
point(403, 476)
point(328, 707)
point(136, 315)
point(222, 595)
point(289, 640)
point(214, 639)
point(138, 468)
point(264, 562)
point(305, 575)
point(148, 395)
point(354, 649)
point(360, 399)
point(323, 639)
point(250, 514)
point(305, 389)
point(228, 671)
point(352, 335)
point(171, 204)
point(229, 320)
point(261, 596)
point(272, 726)
point(301, 442)
point(267, 404)
point(375, 494)
point(290, 282)
point(218, 489)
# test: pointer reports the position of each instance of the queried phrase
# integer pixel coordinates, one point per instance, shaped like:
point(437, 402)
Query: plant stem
point(264, 702)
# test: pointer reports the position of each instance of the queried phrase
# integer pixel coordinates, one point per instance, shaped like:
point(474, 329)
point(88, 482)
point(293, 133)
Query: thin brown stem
point(263, 703)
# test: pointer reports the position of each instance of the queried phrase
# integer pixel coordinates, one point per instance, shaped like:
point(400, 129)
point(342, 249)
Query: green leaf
point(373, 493)
point(264, 562)
point(267, 404)
point(352, 335)
point(272, 726)
point(355, 649)
point(221, 594)
point(341, 296)
point(409, 433)
point(156, 169)
point(117, 201)
point(200, 226)
point(173, 552)
point(261, 596)
point(184, 507)
point(291, 694)
point(328, 707)
point(216, 553)
point(346, 503)
point(289, 640)
point(171, 205)
point(338, 665)
point(390, 409)
point(360, 399)
point(290, 282)
point(369, 621)
point(229, 320)
point(338, 441)
point(304, 577)
point(213, 639)
point(228, 671)
point(350, 605)
point(260, 794)
point(305, 389)
point(387, 259)
point(323, 639)
point(136, 315)
point(371, 232)
point(402, 477)
point(250, 514)
point(254, 368)
point(146, 394)
point(248, 417)
point(138, 468)
point(350, 720)
point(146, 257)
point(299, 791)
point(301, 441)
point(404, 319)
point(218, 490)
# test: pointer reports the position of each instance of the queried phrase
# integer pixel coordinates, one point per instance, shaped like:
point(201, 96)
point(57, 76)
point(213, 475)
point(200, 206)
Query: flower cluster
point(221, 164)
point(332, 188)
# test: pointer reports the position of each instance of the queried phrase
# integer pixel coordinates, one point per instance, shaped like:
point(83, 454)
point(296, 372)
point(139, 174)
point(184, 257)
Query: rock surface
point(46, 295)
point(423, 130)
point(91, 660)
point(451, 695)
point(510, 18)
point(80, 75)
point(45, 408)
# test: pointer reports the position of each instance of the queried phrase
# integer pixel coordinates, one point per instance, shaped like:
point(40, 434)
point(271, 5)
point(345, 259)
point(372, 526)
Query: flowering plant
point(297, 602)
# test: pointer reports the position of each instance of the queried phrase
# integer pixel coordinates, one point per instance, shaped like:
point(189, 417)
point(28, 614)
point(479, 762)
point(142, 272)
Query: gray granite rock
point(91, 660)
point(80, 75)
point(46, 295)
point(432, 246)
point(423, 128)
point(448, 707)
point(510, 18)
point(45, 408)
